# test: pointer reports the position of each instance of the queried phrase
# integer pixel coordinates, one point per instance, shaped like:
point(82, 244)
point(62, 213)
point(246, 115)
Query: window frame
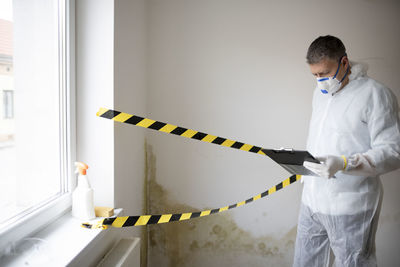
point(47, 212)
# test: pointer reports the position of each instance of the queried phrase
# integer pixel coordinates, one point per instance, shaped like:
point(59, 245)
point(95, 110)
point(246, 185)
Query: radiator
point(126, 252)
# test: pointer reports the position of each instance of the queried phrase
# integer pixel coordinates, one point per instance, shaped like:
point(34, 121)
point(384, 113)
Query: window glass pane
point(30, 123)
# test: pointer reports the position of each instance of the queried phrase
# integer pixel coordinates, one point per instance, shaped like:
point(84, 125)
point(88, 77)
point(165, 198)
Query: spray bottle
point(82, 197)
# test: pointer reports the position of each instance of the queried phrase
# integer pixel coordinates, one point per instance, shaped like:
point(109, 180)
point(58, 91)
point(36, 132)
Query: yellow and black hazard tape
point(177, 130)
point(126, 221)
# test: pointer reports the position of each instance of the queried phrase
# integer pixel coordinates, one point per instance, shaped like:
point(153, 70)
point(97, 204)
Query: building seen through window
point(32, 107)
point(7, 119)
point(6, 81)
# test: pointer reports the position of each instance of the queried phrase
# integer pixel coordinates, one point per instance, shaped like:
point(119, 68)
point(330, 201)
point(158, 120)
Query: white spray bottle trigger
point(81, 168)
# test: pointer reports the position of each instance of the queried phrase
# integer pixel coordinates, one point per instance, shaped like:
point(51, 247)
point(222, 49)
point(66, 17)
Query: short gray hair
point(325, 47)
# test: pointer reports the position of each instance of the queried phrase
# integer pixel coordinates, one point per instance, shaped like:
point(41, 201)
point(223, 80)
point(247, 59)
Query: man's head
point(326, 57)
point(325, 47)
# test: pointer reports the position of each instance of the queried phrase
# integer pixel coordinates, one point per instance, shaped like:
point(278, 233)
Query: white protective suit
point(360, 122)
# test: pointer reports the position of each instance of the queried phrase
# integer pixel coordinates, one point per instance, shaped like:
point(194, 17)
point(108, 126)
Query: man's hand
point(328, 167)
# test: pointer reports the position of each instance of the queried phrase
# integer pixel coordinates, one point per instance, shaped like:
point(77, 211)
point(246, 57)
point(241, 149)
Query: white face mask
point(331, 84)
point(328, 85)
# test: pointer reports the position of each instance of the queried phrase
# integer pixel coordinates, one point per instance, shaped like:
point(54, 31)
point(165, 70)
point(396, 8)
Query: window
point(35, 126)
point(8, 104)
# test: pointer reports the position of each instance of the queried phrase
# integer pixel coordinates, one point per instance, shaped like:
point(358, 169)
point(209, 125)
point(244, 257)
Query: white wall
point(95, 89)
point(110, 56)
point(237, 69)
point(130, 97)
point(111, 73)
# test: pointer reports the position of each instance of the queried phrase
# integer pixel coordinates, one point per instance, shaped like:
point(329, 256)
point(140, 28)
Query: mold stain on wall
point(145, 210)
point(214, 240)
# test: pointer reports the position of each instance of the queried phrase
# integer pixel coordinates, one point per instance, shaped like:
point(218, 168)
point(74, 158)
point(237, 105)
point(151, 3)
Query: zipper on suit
point(322, 124)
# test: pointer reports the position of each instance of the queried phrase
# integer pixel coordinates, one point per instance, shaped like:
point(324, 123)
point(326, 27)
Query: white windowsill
point(58, 244)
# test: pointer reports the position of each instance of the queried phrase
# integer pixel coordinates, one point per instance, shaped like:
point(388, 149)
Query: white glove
point(328, 167)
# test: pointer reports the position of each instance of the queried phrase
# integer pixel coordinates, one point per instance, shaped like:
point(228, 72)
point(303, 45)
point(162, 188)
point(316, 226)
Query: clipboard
point(292, 160)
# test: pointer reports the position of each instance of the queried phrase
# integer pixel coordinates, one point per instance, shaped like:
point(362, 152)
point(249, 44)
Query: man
point(355, 134)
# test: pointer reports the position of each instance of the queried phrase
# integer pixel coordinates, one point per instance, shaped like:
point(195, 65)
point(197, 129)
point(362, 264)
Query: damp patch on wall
point(208, 241)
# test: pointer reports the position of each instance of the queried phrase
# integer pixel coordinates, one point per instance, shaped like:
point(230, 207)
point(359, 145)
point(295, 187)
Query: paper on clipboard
point(292, 160)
